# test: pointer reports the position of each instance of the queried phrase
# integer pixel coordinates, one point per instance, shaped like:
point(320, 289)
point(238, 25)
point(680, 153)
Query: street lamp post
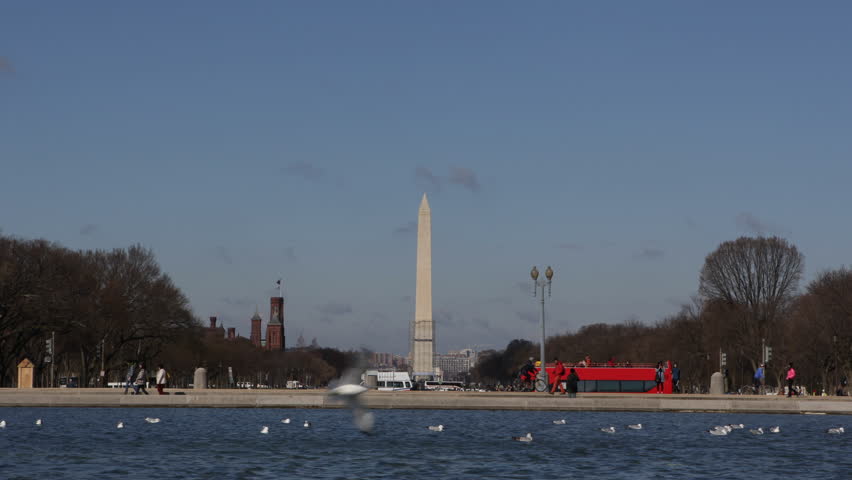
point(549, 275)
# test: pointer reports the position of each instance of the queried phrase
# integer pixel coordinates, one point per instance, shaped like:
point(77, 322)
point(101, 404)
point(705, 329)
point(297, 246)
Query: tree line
point(106, 309)
point(748, 297)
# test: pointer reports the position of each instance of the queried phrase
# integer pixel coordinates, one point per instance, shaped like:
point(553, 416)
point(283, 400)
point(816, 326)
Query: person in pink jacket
point(791, 375)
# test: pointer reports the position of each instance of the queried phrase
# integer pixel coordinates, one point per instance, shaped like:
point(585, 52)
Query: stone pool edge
point(57, 397)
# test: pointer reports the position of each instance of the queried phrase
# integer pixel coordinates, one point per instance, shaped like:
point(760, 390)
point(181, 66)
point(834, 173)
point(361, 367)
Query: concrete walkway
point(97, 397)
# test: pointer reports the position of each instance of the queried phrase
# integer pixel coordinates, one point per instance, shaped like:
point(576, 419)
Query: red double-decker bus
point(603, 378)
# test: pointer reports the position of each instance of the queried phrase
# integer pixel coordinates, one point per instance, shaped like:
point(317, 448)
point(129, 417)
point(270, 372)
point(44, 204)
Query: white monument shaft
point(423, 346)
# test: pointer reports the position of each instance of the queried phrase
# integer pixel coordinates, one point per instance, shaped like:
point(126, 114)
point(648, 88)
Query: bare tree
point(757, 278)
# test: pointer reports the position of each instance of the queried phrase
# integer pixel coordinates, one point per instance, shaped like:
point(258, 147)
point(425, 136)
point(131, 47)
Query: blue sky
point(619, 142)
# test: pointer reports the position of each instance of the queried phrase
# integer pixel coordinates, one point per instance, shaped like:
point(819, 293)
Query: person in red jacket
point(558, 372)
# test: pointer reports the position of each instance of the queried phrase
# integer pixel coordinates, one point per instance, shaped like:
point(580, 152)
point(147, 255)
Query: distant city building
point(456, 365)
point(389, 360)
point(232, 333)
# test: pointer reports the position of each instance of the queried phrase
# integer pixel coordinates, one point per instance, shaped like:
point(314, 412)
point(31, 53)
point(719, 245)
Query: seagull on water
point(38, 422)
point(525, 438)
point(120, 425)
point(637, 426)
point(436, 428)
point(775, 429)
point(286, 420)
point(307, 424)
point(608, 430)
point(2, 423)
point(559, 422)
point(757, 431)
point(835, 431)
point(717, 430)
point(152, 420)
point(265, 429)
point(349, 389)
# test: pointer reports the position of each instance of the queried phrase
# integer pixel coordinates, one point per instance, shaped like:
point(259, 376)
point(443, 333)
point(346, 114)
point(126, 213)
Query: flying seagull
point(348, 389)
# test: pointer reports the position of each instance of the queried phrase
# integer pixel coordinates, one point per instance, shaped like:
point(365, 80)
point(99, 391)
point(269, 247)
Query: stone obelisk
point(423, 333)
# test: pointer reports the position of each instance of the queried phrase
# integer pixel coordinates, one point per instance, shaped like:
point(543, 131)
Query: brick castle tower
point(255, 329)
point(275, 328)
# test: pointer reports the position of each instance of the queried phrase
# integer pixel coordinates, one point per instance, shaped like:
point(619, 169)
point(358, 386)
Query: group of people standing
point(790, 377)
point(137, 378)
point(570, 381)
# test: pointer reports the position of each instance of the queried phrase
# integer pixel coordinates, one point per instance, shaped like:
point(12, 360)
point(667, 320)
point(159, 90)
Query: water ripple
point(226, 443)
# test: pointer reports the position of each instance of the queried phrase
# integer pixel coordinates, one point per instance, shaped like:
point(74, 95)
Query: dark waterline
point(78, 443)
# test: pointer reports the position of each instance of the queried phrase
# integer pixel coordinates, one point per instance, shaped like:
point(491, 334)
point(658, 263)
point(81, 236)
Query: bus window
point(608, 386)
point(635, 386)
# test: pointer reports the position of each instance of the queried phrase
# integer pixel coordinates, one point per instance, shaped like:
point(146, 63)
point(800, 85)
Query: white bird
point(120, 425)
point(265, 429)
point(757, 431)
point(526, 438)
point(307, 424)
point(775, 429)
point(835, 431)
point(152, 420)
point(286, 420)
point(436, 428)
point(637, 426)
point(718, 431)
point(38, 422)
point(2, 423)
point(736, 426)
point(349, 389)
point(608, 430)
point(559, 422)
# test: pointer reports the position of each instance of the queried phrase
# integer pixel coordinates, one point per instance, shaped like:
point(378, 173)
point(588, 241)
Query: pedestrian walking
point(161, 379)
point(791, 377)
point(141, 378)
point(131, 375)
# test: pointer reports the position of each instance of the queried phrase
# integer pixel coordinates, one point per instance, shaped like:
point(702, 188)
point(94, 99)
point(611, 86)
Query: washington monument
point(423, 333)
